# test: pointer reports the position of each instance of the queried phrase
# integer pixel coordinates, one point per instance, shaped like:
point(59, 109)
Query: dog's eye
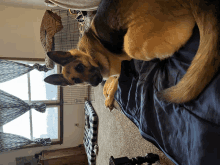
point(76, 80)
point(80, 68)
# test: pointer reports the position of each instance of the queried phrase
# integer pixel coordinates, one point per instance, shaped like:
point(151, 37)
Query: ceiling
point(37, 4)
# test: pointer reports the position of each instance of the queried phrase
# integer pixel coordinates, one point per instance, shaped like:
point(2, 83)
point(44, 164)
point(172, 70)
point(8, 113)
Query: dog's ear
point(61, 57)
point(56, 79)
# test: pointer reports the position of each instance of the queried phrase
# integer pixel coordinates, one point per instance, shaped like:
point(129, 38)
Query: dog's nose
point(95, 80)
point(99, 79)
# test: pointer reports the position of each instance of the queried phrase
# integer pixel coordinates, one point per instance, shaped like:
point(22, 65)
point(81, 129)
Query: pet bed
point(51, 24)
point(90, 132)
point(187, 133)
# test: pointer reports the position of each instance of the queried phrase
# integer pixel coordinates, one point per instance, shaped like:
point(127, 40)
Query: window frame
point(58, 104)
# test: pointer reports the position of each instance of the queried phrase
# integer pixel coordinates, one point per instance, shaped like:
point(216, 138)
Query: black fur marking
point(107, 27)
point(61, 57)
point(56, 79)
point(77, 80)
point(80, 68)
point(93, 69)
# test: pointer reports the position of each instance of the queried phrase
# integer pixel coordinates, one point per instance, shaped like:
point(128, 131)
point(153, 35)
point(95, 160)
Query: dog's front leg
point(109, 90)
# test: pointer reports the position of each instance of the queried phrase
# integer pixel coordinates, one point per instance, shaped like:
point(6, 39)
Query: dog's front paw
point(109, 102)
point(109, 91)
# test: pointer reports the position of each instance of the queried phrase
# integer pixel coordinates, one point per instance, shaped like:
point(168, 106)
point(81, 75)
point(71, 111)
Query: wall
point(35, 4)
point(19, 31)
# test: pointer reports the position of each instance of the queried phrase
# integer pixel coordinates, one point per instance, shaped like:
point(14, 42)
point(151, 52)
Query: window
point(31, 88)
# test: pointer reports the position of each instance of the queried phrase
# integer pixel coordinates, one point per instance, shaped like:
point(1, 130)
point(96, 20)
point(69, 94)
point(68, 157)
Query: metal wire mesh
point(68, 37)
point(78, 94)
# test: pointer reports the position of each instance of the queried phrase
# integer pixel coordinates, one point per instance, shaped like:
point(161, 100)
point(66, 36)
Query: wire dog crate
point(65, 40)
point(68, 37)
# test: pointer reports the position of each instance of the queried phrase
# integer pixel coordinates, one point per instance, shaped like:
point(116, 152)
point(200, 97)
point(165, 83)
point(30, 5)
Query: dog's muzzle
point(95, 78)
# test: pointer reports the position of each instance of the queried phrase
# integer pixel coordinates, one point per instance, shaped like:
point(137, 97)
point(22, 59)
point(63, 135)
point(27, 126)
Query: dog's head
point(77, 68)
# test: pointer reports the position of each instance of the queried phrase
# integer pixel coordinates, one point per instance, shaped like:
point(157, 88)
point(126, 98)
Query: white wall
point(20, 32)
point(39, 4)
point(20, 37)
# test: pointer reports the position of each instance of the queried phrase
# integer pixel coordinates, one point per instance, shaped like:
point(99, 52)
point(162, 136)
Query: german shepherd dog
point(143, 30)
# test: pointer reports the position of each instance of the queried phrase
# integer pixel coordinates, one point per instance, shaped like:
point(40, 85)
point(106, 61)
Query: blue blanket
point(189, 134)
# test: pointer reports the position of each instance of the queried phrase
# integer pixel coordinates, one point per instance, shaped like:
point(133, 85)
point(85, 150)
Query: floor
point(118, 136)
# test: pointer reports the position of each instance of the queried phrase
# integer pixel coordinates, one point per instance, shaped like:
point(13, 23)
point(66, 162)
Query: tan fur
point(206, 61)
point(109, 90)
point(110, 63)
point(69, 71)
point(157, 29)
point(157, 32)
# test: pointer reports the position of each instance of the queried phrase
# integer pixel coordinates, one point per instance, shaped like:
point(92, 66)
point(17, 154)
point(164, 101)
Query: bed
point(187, 133)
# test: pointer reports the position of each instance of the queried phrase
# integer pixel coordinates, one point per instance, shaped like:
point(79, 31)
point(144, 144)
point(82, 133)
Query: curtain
point(82, 5)
point(12, 107)
point(11, 69)
point(10, 142)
